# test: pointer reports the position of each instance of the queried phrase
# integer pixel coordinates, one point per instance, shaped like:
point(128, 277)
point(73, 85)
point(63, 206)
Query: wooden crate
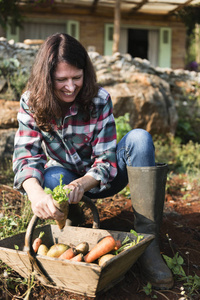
point(77, 277)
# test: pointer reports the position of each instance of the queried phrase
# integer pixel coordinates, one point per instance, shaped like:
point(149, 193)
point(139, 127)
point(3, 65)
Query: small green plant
point(175, 264)
point(59, 194)
point(148, 290)
point(18, 82)
point(180, 158)
point(10, 279)
point(122, 126)
point(191, 284)
point(11, 223)
point(125, 192)
point(16, 79)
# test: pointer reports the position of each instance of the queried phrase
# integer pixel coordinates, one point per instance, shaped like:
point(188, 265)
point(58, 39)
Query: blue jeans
point(135, 149)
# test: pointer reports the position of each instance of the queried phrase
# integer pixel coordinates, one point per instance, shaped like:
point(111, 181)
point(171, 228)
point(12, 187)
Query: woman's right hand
point(45, 209)
point(41, 203)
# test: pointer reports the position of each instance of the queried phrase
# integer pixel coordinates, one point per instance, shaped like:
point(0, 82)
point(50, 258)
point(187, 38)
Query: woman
point(65, 115)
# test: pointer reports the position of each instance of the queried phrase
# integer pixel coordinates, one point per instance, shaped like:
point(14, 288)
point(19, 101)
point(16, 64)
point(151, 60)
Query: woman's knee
point(52, 176)
point(140, 138)
point(141, 148)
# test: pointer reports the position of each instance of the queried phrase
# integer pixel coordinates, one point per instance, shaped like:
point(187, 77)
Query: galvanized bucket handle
point(36, 265)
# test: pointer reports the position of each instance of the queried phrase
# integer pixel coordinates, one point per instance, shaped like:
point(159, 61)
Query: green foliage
point(149, 290)
point(11, 223)
point(9, 279)
point(188, 109)
point(175, 264)
point(122, 126)
point(190, 15)
point(18, 82)
point(180, 158)
point(191, 284)
point(10, 13)
point(59, 194)
point(15, 77)
point(8, 66)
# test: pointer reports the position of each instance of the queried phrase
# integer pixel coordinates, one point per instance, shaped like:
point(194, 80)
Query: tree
point(190, 15)
point(10, 13)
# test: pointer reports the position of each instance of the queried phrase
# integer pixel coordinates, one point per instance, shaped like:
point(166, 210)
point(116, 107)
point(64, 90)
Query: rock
point(7, 142)
point(151, 108)
point(8, 114)
point(3, 83)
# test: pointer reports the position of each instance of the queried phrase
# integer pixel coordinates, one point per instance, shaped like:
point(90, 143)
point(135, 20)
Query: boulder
point(148, 100)
point(7, 142)
point(8, 113)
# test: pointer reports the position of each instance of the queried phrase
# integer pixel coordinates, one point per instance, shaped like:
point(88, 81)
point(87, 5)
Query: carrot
point(37, 242)
point(68, 254)
point(118, 244)
point(78, 257)
point(106, 245)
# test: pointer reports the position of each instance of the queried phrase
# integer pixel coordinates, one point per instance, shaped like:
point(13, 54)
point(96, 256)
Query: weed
point(191, 284)
point(122, 126)
point(6, 172)
point(180, 158)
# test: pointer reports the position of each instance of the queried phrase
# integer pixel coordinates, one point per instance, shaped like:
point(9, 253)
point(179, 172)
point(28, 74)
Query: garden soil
point(180, 232)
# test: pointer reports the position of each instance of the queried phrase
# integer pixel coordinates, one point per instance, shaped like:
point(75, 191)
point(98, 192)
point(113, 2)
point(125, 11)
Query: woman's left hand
point(76, 192)
point(79, 186)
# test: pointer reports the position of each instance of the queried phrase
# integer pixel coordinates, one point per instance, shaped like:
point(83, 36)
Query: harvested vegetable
point(68, 254)
point(118, 244)
point(103, 259)
point(128, 242)
point(82, 248)
point(105, 245)
point(57, 249)
point(37, 242)
point(60, 200)
point(42, 250)
point(78, 257)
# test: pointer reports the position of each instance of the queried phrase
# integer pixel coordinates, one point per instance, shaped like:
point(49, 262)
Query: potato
point(103, 259)
point(42, 250)
point(57, 249)
point(82, 248)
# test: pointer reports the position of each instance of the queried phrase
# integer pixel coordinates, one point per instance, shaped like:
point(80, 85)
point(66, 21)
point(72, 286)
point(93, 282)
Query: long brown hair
point(42, 102)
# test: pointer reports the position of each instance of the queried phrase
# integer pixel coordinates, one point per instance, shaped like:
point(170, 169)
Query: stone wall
point(152, 96)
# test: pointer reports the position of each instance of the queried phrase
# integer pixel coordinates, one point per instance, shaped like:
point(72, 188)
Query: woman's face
point(68, 81)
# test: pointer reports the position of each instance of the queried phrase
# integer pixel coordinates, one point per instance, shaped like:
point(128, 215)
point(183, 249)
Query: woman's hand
point(45, 208)
point(41, 203)
point(79, 186)
point(76, 192)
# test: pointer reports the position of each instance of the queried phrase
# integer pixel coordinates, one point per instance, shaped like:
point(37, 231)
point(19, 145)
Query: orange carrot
point(78, 257)
point(37, 242)
point(106, 245)
point(118, 244)
point(68, 254)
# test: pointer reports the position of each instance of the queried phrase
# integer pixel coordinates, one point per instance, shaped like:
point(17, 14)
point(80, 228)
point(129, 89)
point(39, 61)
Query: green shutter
point(108, 39)
point(165, 47)
point(73, 29)
point(12, 33)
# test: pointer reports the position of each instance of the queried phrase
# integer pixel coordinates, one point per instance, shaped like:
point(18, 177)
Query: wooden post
point(197, 42)
point(116, 33)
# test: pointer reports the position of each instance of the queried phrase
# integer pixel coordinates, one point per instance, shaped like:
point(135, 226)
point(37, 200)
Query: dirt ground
point(180, 232)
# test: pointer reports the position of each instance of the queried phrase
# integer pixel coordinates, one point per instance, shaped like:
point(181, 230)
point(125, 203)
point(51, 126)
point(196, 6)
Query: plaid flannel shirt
point(83, 147)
